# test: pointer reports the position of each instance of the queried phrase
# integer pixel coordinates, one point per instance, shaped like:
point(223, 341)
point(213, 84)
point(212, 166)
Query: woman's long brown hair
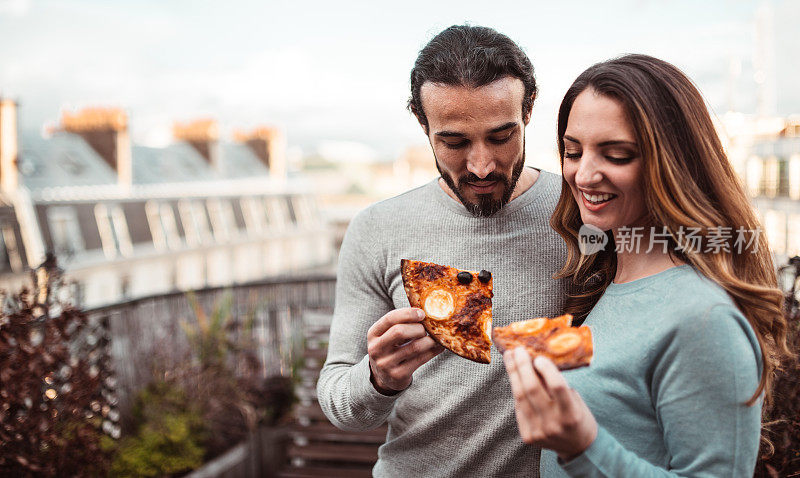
point(689, 183)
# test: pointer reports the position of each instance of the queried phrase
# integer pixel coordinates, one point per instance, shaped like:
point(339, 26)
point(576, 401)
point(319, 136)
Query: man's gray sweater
point(457, 417)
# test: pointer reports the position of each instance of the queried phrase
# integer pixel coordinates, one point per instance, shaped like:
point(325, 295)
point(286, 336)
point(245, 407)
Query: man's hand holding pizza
point(397, 345)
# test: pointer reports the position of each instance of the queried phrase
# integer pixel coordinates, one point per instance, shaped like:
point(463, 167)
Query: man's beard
point(486, 205)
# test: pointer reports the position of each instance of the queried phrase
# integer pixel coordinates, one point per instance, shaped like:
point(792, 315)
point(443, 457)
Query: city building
point(348, 180)
point(765, 151)
point(772, 176)
point(127, 221)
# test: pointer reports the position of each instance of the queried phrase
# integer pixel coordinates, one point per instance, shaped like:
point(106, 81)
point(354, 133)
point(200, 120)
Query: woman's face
point(602, 163)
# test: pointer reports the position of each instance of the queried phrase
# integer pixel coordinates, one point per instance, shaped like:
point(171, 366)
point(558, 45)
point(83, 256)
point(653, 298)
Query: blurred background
point(152, 148)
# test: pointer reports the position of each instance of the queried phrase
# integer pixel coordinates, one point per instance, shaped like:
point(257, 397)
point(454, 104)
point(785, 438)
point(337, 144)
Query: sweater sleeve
point(344, 390)
point(708, 369)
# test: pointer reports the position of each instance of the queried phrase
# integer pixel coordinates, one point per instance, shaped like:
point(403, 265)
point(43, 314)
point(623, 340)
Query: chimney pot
point(202, 135)
point(106, 131)
point(269, 145)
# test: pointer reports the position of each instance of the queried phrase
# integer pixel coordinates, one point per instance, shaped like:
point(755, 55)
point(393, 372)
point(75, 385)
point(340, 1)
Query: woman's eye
point(620, 159)
point(572, 155)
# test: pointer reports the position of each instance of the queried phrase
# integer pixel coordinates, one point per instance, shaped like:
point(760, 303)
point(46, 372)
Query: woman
point(683, 305)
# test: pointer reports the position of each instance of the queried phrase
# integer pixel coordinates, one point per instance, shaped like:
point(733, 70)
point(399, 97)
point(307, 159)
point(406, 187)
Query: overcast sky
point(338, 71)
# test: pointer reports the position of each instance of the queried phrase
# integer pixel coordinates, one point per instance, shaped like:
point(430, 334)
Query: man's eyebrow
point(453, 134)
point(450, 134)
point(604, 143)
point(506, 126)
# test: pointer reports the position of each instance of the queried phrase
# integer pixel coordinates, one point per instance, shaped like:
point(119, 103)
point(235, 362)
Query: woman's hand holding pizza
point(397, 345)
point(549, 413)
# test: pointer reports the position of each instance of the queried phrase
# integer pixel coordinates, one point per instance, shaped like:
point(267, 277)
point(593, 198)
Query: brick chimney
point(203, 136)
point(9, 146)
point(269, 145)
point(106, 131)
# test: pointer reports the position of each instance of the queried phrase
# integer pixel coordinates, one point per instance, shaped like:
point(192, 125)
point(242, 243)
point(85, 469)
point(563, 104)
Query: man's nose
point(480, 161)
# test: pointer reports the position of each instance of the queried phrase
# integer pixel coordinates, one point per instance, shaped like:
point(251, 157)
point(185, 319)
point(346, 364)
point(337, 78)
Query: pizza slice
point(457, 305)
point(568, 347)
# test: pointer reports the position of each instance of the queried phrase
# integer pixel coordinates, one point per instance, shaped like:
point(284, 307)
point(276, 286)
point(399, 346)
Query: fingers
point(549, 413)
point(399, 336)
point(529, 380)
point(424, 348)
point(513, 375)
point(394, 371)
point(516, 370)
point(416, 348)
point(556, 385)
point(397, 344)
point(528, 420)
point(397, 316)
point(530, 396)
point(426, 353)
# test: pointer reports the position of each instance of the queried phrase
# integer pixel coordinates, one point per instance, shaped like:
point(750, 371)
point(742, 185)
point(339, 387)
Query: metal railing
point(145, 334)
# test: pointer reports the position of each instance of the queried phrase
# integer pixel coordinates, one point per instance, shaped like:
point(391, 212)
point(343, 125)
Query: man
point(472, 90)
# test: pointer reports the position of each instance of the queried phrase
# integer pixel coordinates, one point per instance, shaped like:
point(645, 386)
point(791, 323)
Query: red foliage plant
point(51, 400)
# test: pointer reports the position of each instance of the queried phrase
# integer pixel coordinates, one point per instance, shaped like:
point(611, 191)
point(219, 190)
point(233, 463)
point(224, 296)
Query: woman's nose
point(589, 172)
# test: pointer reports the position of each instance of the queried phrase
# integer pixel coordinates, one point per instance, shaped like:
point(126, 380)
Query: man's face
point(478, 139)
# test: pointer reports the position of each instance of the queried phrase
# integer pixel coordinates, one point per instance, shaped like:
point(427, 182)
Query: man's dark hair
point(471, 56)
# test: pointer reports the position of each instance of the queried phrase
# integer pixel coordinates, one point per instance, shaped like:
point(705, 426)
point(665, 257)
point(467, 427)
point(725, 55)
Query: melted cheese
point(530, 326)
point(439, 304)
point(564, 342)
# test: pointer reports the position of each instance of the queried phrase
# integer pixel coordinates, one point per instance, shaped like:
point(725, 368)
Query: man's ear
point(526, 117)
point(420, 119)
